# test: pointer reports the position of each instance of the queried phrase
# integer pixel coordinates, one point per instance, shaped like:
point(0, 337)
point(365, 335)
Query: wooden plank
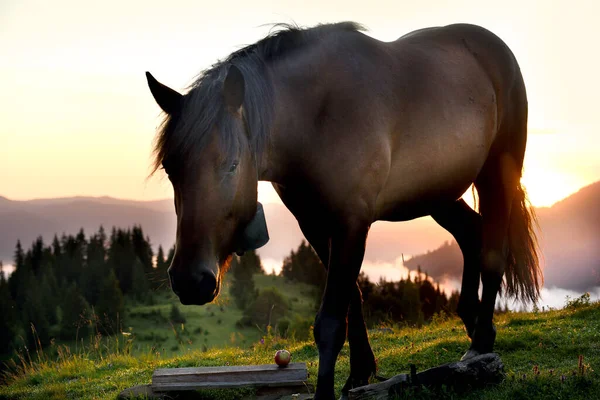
point(186, 385)
point(268, 375)
point(289, 392)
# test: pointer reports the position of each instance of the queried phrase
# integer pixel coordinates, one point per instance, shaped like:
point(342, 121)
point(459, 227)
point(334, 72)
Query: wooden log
point(269, 375)
point(477, 371)
point(378, 390)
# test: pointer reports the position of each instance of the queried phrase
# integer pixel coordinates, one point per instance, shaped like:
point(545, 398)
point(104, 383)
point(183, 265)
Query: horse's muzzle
point(197, 288)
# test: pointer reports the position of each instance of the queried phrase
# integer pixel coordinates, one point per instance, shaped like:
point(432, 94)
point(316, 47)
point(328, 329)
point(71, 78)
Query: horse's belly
point(442, 172)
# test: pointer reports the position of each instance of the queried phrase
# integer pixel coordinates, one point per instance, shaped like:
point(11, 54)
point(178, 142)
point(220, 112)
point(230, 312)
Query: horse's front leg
point(346, 255)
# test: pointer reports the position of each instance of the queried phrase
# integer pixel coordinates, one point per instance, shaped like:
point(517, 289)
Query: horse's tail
point(523, 273)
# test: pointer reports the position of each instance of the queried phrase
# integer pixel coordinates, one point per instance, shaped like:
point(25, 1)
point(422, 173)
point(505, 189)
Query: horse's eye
point(233, 166)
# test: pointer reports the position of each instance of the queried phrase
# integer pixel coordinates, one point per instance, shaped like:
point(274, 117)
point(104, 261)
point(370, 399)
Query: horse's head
point(215, 186)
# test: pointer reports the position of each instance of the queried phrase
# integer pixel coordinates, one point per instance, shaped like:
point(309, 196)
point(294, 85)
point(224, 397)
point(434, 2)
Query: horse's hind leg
point(362, 360)
point(465, 225)
point(496, 186)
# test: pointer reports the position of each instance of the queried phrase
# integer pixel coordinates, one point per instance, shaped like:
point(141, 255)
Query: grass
point(210, 326)
point(541, 353)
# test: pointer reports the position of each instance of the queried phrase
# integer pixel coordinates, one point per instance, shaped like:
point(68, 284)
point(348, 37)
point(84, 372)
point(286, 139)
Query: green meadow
point(209, 326)
point(547, 355)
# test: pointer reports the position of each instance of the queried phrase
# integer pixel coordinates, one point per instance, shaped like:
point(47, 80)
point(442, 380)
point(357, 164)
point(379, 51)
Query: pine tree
point(441, 301)
point(243, 289)
point(15, 279)
point(74, 249)
point(287, 269)
point(160, 258)
point(101, 236)
point(96, 269)
point(56, 258)
point(252, 263)
point(453, 302)
point(121, 257)
point(427, 296)
point(81, 241)
point(411, 303)
point(8, 311)
point(303, 265)
point(75, 314)
point(49, 294)
point(160, 276)
point(96, 248)
point(36, 255)
point(35, 322)
point(142, 248)
point(139, 282)
point(109, 308)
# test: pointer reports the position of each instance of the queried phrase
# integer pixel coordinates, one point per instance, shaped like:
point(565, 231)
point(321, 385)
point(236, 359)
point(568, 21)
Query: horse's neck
point(290, 135)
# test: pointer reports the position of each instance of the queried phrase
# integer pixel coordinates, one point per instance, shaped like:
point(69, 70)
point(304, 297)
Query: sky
point(77, 117)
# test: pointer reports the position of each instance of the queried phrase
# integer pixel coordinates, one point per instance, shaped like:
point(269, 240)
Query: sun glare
point(546, 187)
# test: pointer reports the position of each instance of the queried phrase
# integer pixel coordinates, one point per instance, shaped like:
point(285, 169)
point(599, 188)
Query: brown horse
point(351, 130)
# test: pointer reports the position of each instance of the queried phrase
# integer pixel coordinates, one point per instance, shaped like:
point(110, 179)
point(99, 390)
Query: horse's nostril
point(206, 283)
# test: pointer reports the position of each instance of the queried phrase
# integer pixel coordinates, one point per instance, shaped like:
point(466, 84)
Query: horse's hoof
point(469, 354)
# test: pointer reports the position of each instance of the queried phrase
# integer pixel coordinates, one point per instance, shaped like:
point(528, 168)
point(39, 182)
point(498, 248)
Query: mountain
point(569, 238)
point(25, 220)
point(569, 235)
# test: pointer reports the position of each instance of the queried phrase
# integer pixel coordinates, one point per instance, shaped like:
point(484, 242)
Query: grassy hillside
point(540, 352)
point(208, 326)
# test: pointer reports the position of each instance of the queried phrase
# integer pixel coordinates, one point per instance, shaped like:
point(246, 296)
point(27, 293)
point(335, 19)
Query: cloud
point(552, 297)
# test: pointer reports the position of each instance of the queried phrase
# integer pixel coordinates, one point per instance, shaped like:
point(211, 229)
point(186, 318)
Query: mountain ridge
point(569, 231)
point(568, 236)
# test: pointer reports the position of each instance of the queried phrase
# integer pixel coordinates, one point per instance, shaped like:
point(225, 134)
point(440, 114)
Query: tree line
point(411, 301)
point(75, 286)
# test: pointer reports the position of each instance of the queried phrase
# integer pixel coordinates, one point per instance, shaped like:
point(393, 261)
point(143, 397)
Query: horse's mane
point(185, 132)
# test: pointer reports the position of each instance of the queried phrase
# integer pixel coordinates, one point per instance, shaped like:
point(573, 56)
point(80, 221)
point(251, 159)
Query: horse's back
point(454, 87)
point(462, 43)
point(396, 128)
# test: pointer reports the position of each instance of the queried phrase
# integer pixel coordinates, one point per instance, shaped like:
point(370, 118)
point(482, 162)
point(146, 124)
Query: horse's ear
point(234, 88)
point(168, 99)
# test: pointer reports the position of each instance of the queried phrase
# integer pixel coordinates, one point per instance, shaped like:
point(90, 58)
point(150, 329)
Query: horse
point(351, 130)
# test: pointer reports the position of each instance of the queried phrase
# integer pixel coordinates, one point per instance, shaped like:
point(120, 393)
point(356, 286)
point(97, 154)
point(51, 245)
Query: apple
point(282, 358)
